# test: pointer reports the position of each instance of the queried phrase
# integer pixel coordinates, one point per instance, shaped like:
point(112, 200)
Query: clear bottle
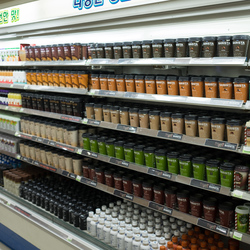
point(89, 219)
point(120, 239)
point(106, 232)
point(100, 232)
point(128, 241)
point(145, 245)
point(136, 244)
point(113, 236)
point(93, 226)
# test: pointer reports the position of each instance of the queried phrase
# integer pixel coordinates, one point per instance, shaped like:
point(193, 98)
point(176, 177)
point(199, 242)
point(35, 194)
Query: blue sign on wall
point(87, 4)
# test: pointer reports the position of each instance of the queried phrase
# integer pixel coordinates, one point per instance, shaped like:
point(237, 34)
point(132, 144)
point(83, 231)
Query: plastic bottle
point(183, 230)
point(216, 238)
point(175, 242)
point(128, 241)
point(136, 230)
point(167, 237)
point(122, 225)
point(189, 226)
point(89, 219)
point(162, 242)
point(113, 236)
point(120, 239)
point(104, 207)
point(144, 236)
point(153, 245)
point(128, 229)
point(170, 245)
point(111, 205)
point(196, 231)
point(203, 244)
point(100, 232)
point(210, 242)
point(145, 245)
point(106, 232)
point(215, 247)
point(220, 245)
point(173, 227)
point(180, 223)
point(158, 226)
point(136, 244)
point(200, 238)
point(93, 226)
point(194, 247)
point(157, 220)
point(164, 217)
point(107, 212)
point(171, 220)
point(184, 244)
point(158, 234)
point(179, 248)
point(166, 223)
point(120, 218)
point(167, 229)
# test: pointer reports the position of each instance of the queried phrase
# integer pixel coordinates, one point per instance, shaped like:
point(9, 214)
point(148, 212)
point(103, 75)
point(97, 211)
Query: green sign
point(15, 15)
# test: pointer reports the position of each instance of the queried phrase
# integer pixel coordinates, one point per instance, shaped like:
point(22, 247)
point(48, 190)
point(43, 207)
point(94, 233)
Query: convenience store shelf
point(42, 113)
point(74, 91)
point(140, 201)
point(47, 221)
point(183, 61)
point(129, 165)
point(233, 147)
point(137, 200)
point(43, 63)
point(174, 99)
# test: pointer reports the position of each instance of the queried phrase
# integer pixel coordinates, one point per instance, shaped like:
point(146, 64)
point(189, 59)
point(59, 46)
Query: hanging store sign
point(9, 16)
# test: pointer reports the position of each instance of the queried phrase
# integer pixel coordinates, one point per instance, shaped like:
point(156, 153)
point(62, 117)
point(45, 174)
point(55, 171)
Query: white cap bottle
point(136, 206)
point(99, 231)
point(129, 215)
point(157, 220)
point(114, 214)
point(121, 218)
point(97, 212)
point(145, 245)
point(128, 229)
point(149, 211)
point(164, 217)
point(122, 225)
point(106, 232)
point(127, 220)
point(189, 226)
point(113, 236)
point(167, 237)
point(158, 226)
point(180, 223)
point(89, 219)
point(120, 239)
point(143, 215)
point(166, 229)
point(154, 245)
point(118, 203)
point(111, 205)
point(136, 243)
point(158, 234)
point(136, 230)
point(166, 223)
point(156, 214)
point(134, 223)
point(162, 242)
point(144, 235)
point(104, 207)
point(171, 219)
point(152, 238)
point(136, 212)
point(93, 226)
point(107, 212)
point(183, 230)
point(128, 241)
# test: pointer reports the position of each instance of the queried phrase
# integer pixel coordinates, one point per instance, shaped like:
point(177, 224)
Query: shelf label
point(89, 153)
point(126, 128)
point(212, 226)
point(64, 147)
point(106, 93)
point(65, 173)
point(93, 122)
point(169, 135)
point(22, 211)
point(45, 141)
point(78, 178)
point(89, 182)
point(40, 140)
point(52, 143)
point(119, 162)
point(28, 137)
point(237, 193)
point(205, 185)
point(237, 235)
point(85, 121)
point(160, 208)
point(52, 169)
point(157, 172)
point(73, 176)
point(123, 195)
point(18, 157)
point(221, 144)
point(226, 102)
point(79, 151)
point(70, 118)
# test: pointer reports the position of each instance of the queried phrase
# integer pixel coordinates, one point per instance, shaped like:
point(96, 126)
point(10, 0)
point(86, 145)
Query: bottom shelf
point(76, 237)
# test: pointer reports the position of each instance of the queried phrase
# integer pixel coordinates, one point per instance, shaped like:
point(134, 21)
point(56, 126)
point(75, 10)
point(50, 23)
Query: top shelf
point(185, 61)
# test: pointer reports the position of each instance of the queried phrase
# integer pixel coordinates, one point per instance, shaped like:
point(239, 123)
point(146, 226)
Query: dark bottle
point(38, 197)
point(21, 189)
point(65, 212)
point(83, 221)
point(46, 201)
point(56, 203)
point(60, 209)
point(43, 199)
point(71, 212)
point(75, 217)
point(29, 194)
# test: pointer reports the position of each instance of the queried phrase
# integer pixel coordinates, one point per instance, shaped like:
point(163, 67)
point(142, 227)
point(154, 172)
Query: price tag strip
point(221, 144)
point(160, 208)
point(160, 173)
point(123, 195)
point(205, 185)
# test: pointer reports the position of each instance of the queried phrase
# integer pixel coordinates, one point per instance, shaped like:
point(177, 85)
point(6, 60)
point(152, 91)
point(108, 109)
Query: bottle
point(106, 232)
point(113, 236)
point(164, 217)
point(107, 213)
point(193, 241)
point(194, 247)
point(216, 238)
point(179, 248)
point(184, 244)
point(158, 234)
point(162, 242)
point(170, 245)
point(200, 238)
point(203, 244)
point(128, 229)
point(152, 238)
point(100, 231)
point(210, 242)
point(120, 239)
point(111, 205)
point(120, 218)
point(173, 227)
point(157, 220)
point(136, 230)
point(89, 219)
point(167, 237)
point(214, 247)
point(171, 220)
point(180, 223)
point(220, 245)
point(144, 236)
point(175, 242)
point(196, 231)
point(183, 230)
point(104, 207)
point(128, 241)
point(189, 226)
point(136, 242)
point(154, 245)
point(150, 231)
point(93, 226)
point(98, 212)
point(145, 245)
point(166, 223)
point(122, 225)
point(166, 229)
